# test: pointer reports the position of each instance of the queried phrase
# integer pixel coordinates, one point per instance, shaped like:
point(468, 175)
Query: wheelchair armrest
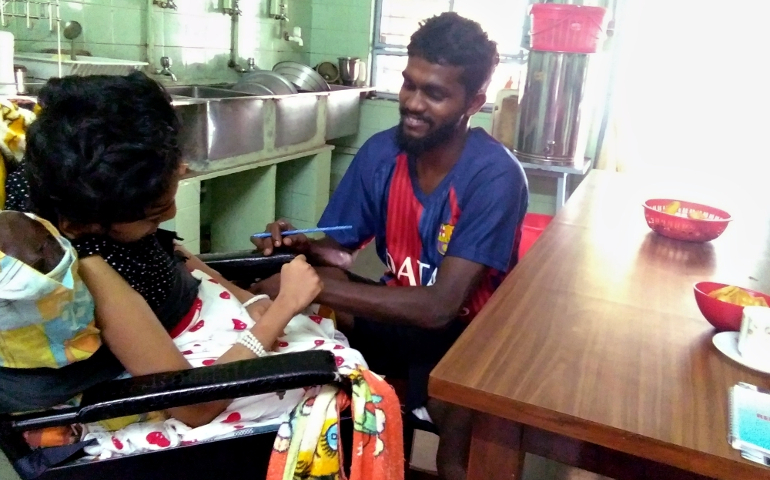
point(160, 391)
point(245, 265)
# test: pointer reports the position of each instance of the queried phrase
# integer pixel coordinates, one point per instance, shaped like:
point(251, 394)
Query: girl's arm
point(195, 263)
point(136, 337)
point(256, 310)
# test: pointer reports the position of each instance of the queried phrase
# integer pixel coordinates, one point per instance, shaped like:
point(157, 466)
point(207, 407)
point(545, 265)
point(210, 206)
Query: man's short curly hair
point(449, 39)
point(103, 150)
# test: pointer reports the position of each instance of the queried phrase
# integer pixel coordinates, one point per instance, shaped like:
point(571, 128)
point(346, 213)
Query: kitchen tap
point(278, 9)
point(165, 4)
point(231, 7)
point(165, 64)
point(296, 36)
point(251, 66)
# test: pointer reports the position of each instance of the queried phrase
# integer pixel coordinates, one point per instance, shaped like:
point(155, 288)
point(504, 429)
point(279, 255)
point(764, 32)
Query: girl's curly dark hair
point(103, 150)
point(449, 39)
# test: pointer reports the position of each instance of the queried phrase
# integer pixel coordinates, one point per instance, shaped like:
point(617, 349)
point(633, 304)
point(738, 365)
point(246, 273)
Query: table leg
point(496, 452)
point(561, 190)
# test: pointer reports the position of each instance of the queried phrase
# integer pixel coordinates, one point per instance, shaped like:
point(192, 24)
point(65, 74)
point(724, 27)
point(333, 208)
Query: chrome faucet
point(251, 66)
point(165, 64)
point(165, 4)
point(281, 13)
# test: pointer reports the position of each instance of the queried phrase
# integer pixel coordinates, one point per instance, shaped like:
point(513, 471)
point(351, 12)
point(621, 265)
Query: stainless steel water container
point(549, 117)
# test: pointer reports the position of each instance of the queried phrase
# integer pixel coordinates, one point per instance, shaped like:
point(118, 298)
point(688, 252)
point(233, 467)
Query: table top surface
point(596, 335)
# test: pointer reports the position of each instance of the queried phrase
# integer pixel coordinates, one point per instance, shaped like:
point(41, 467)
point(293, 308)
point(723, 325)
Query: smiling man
point(444, 204)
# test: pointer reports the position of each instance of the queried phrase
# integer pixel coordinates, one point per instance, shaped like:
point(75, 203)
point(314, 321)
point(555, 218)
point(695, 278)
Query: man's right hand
point(297, 243)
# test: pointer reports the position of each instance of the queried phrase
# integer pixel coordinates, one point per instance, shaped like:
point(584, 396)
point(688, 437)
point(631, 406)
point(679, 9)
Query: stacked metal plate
point(302, 76)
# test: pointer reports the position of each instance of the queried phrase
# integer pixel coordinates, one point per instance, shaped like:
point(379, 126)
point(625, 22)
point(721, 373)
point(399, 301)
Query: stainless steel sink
point(221, 124)
point(214, 129)
point(343, 110)
point(196, 91)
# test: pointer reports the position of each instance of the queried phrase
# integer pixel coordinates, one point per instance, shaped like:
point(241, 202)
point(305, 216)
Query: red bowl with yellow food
point(723, 315)
point(680, 220)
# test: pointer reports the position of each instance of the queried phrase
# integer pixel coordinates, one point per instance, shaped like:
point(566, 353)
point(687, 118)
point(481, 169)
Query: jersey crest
point(444, 236)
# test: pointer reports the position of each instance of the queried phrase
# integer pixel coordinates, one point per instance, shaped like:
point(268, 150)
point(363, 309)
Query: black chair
point(244, 457)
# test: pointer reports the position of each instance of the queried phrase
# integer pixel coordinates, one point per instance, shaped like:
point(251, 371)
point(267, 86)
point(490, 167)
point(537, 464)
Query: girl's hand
point(300, 284)
point(257, 309)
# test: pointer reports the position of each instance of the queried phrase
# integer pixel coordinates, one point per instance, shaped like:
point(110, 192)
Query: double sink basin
point(222, 127)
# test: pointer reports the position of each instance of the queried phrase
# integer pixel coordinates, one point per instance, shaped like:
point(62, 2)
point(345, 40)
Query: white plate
point(727, 343)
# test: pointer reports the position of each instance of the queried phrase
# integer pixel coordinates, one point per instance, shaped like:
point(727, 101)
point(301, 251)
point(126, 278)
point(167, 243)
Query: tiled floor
point(6, 471)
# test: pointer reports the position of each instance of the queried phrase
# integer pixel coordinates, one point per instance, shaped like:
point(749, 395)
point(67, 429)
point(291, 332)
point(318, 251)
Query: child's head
point(46, 312)
point(102, 157)
point(29, 241)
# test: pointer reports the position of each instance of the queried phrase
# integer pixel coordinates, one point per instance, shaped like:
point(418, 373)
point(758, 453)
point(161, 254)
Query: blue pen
point(304, 231)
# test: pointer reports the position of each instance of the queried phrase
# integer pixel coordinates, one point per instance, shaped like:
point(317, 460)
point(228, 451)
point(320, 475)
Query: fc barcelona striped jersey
point(475, 213)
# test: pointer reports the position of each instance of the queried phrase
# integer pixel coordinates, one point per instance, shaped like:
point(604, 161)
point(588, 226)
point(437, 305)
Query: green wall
point(340, 28)
point(196, 36)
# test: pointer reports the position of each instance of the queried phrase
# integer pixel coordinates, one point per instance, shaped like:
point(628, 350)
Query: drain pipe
point(150, 36)
point(231, 7)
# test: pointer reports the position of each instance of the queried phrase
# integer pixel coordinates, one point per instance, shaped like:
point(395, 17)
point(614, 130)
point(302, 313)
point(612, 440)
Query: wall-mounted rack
point(30, 10)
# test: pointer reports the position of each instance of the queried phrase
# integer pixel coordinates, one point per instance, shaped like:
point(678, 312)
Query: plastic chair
point(244, 457)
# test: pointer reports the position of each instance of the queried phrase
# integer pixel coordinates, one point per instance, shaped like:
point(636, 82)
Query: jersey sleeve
point(353, 203)
point(491, 216)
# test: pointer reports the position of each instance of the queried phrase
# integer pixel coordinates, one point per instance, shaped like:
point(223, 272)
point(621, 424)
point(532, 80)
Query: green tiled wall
point(196, 36)
point(340, 28)
point(302, 190)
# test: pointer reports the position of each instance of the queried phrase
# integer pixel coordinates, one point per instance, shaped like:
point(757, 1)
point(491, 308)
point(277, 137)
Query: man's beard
point(418, 146)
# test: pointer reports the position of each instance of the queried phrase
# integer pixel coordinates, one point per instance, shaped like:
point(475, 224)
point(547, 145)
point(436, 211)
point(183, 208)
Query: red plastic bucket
point(566, 28)
point(533, 226)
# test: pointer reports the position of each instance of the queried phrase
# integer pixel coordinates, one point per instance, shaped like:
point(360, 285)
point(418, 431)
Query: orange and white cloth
point(14, 121)
point(212, 328)
point(308, 444)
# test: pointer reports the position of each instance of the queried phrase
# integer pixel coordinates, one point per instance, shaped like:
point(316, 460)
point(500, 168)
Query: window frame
point(381, 49)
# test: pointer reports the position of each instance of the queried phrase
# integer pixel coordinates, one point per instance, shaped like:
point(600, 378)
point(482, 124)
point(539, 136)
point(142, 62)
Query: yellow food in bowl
point(737, 296)
point(672, 208)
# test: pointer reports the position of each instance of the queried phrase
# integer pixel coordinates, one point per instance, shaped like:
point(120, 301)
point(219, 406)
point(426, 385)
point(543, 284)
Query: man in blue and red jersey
point(444, 204)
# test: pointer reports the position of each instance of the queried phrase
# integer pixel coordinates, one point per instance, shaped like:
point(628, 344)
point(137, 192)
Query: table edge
point(585, 430)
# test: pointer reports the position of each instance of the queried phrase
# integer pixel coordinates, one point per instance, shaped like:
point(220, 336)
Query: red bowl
point(681, 227)
point(723, 316)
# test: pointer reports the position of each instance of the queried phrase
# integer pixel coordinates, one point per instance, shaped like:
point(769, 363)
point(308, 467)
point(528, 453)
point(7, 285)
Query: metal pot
point(551, 107)
point(350, 68)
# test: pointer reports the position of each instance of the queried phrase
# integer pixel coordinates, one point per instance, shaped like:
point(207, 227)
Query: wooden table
point(593, 351)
